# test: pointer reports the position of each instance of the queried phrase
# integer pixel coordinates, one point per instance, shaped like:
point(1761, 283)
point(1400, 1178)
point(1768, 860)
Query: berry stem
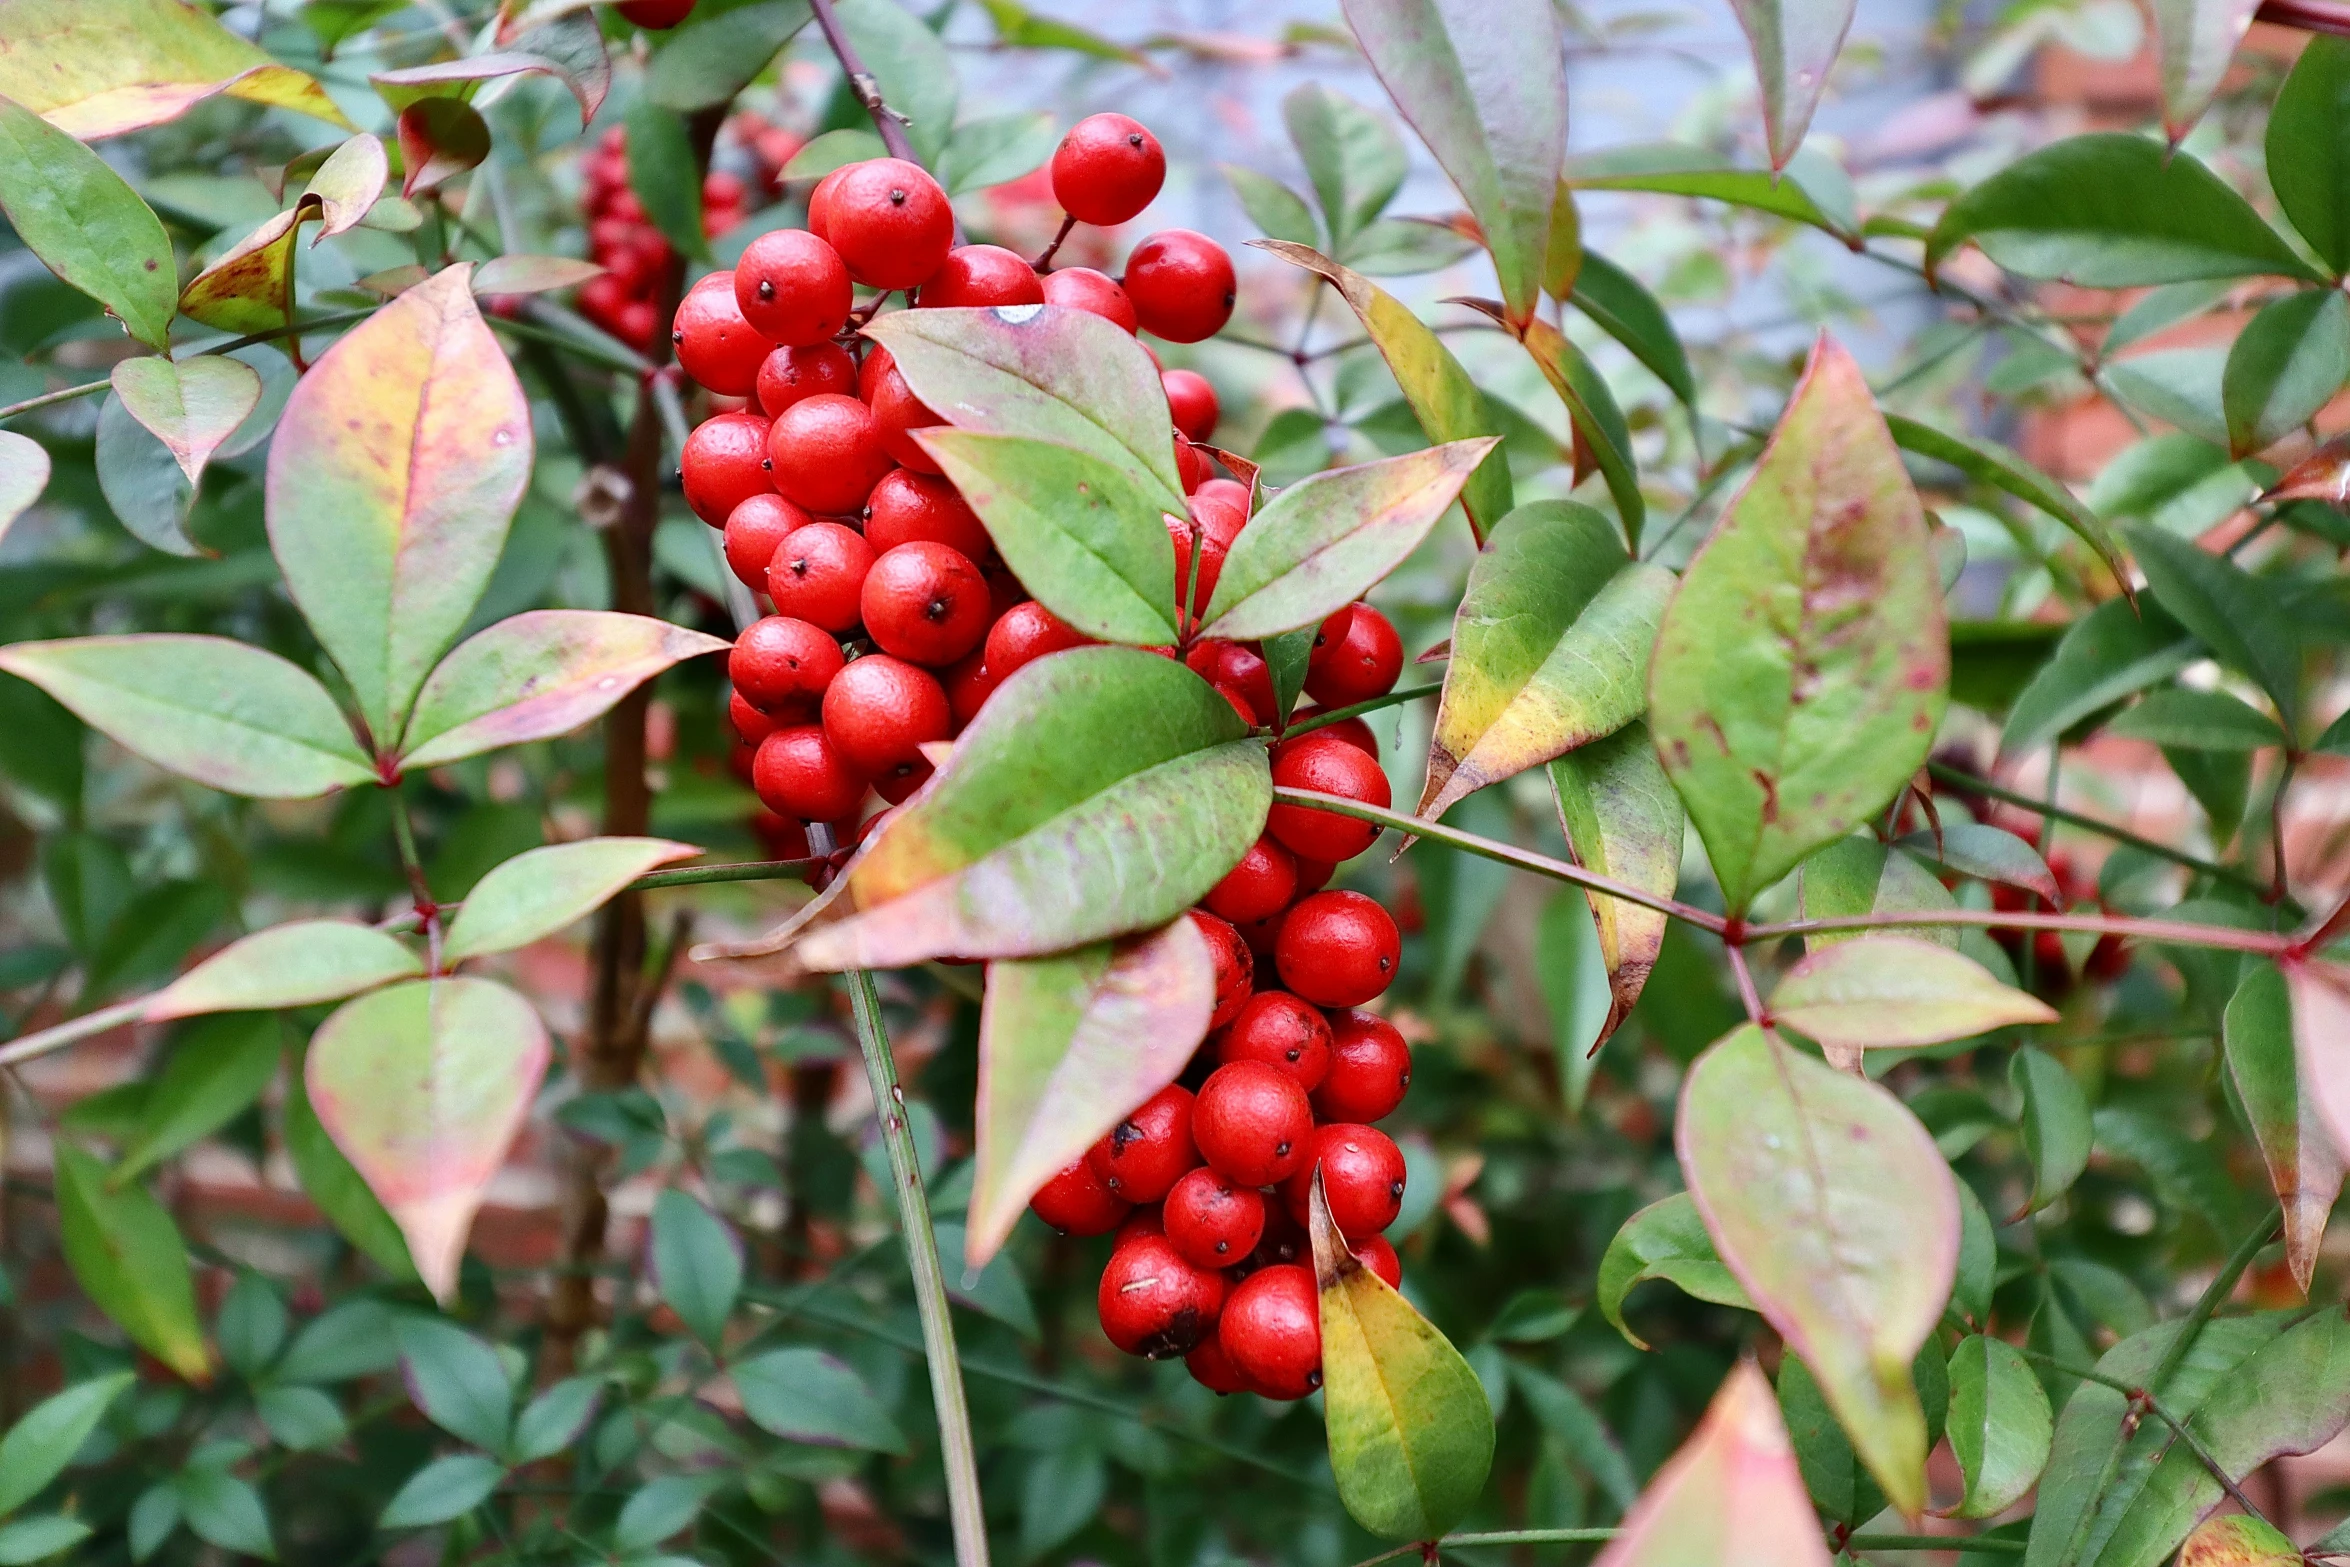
point(1044, 263)
point(887, 121)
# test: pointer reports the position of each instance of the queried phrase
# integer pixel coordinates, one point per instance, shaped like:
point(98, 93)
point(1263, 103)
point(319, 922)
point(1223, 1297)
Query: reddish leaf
point(1733, 1495)
point(440, 138)
point(190, 406)
point(96, 68)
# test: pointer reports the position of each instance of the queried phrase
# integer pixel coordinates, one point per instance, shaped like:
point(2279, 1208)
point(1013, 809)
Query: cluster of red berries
point(634, 254)
point(893, 617)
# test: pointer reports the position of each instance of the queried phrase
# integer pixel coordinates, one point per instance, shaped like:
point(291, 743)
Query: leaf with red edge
point(1622, 819)
point(423, 1086)
point(2304, 1161)
point(2194, 44)
point(1733, 1495)
point(394, 473)
point(1068, 1045)
point(568, 48)
point(348, 185)
point(440, 138)
point(531, 274)
point(2323, 475)
point(295, 964)
point(96, 68)
point(540, 891)
point(190, 405)
point(1795, 42)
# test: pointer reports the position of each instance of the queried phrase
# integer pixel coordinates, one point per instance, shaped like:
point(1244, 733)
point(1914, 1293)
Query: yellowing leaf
point(1731, 1497)
point(191, 406)
point(1897, 991)
point(2238, 1541)
point(2304, 1162)
point(540, 891)
point(97, 68)
point(1622, 819)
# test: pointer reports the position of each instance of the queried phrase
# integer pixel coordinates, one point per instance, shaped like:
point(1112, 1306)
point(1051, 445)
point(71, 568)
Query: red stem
point(2310, 16)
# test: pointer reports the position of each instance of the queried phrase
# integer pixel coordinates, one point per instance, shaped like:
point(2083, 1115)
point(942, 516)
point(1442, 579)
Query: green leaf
point(806, 1395)
point(1549, 649)
point(1068, 1045)
point(457, 1380)
point(143, 483)
point(1795, 43)
point(1287, 659)
point(2197, 721)
point(1832, 1206)
point(1411, 1435)
point(555, 1419)
point(1352, 156)
point(2003, 470)
point(1018, 26)
point(291, 965)
point(2113, 210)
point(1278, 212)
point(1672, 170)
point(84, 221)
point(39, 1446)
point(660, 1509)
point(2178, 386)
point(2309, 148)
point(2234, 614)
point(154, 1517)
point(339, 1190)
point(1598, 423)
point(191, 406)
point(1886, 990)
point(540, 891)
point(713, 57)
point(97, 68)
point(1999, 1428)
point(423, 1085)
point(1859, 875)
point(1620, 306)
point(24, 474)
point(1838, 1481)
point(697, 1263)
point(661, 171)
point(2286, 365)
point(351, 1339)
point(215, 1070)
point(836, 149)
point(2055, 1117)
point(2304, 1163)
point(568, 47)
point(1978, 1246)
point(1665, 1240)
point(222, 1510)
point(1439, 391)
point(1622, 819)
point(1986, 853)
point(1326, 540)
point(912, 68)
point(39, 1538)
point(301, 1418)
point(444, 1489)
point(1771, 765)
point(1733, 1493)
point(128, 1258)
point(2108, 654)
point(996, 151)
point(395, 470)
point(1406, 247)
point(1147, 796)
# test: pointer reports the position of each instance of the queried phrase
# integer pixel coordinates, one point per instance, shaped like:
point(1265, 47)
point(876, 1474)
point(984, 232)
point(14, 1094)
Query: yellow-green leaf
point(1897, 991)
point(190, 405)
point(1622, 819)
point(97, 68)
point(129, 1259)
point(2238, 1541)
point(540, 891)
point(82, 219)
point(292, 965)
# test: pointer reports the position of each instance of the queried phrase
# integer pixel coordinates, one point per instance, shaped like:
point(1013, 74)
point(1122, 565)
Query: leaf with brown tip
point(2283, 1034)
point(1622, 819)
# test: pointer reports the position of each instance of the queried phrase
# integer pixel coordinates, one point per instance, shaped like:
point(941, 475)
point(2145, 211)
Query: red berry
point(1370, 1068)
point(797, 773)
point(1283, 1032)
point(1212, 1222)
point(1024, 633)
point(754, 531)
point(1181, 285)
point(898, 786)
point(925, 602)
point(1211, 566)
point(1375, 1253)
point(1155, 1304)
point(908, 507)
point(1141, 1157)
point(1192, 401)
point(877, 363)
point(879, 711)
point(1262, 935)
point(1272, 1331)
point(792, 287)
point(750, 726)
point(782, 665)
point(1338, 949)
point(1212, 1369)
point(1259, 887)
point(1190, 466)
point(1220, 516)
point(1096, 293)
point(1327, 767)
point(820, 203)
point(724, 464)
point(1251, 1123)
point(1362, 1178)
point(1356, 656)
point(828, 453)
point(969, 685)
point(1230, 492)
point(818, 574)
point(1074, 1203)
point(1313, 875)
point(900, 413)
point(1142, 1221)
point(788, 374)
point(656, 14)
point(1107, 169)
point(1236, 966)
point(1351, 730)
point(1234, 665)
point(715, 345)
point(725, 189)
point(890, 222)
point(978, 275)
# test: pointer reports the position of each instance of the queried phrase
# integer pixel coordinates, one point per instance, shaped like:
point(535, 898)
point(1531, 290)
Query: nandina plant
point(530, 671)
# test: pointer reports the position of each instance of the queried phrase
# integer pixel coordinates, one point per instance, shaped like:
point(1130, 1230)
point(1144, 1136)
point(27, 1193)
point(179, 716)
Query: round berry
point(1374, 1252)
point(1142, 1221)
point(1142, 1156)
point(1327, 767)
point(660, 15)
point(982, 275)
point(1211, 566)
point(788, 374)
point(782, 665)
point(1236, 666)
point(1353, 731)
point(1220, 516)
point(1191, 467)
point(897, 787)
point(969, 685)
point(715, 345)
point(900, 413)
point(1192, 401)
point(1362, 1178)
point(1212, 1369)
point(1074, 1203)
point(1024, 633)
point(1236, 966)
point(1370, 1068)
point(754, 531)
point(818, 574)
point(1095, 293)
point(1283, 1032)
point(1181, 285)
point(1251, 1123)
point(827, 453)
point(792, 288)
point(1356, 656)
point(1212, 1222)
point(750, 726)
point(1107, 169)
point(878, 712)
point(890, 222)
point(925, 602)
point(1338, 949)
point(1260, 886)
point(1271, 1331)
point(820, 203)
point(1313, 875)
point(724, 464)
point(907, 507)
point(1155, 1304)
point(797, 773)
point(1262, 935)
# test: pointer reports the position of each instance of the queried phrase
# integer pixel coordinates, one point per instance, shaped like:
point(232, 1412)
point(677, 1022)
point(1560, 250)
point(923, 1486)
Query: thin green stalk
point(956, 1451)
point(703, 875)
point(2156, 1407)
point(65, 395)
point(1339, 715)
point(48, 1039)
point(1934, 1542)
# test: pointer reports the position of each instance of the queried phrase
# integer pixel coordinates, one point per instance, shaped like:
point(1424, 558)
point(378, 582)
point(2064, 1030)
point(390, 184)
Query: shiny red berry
point(1284, 1032)
point(890, 222)
point(1236, 966)
point(1221, 514)
point(925, 602)
point(1212, 1369)
point(1214, 1223)
point(1143, 1155)
point(792, 288)
point(787, 375)
point(1251, 1122)
point(1338, 949)
point(1362, 1179)
point(1096, 293)
point(1370, 1069)
point(1107, 169)
point(820, 203)
point(980, 275)
point(1192, 401)
point(1259, 887)
point(1313, 875)
point(1375, 1253)
point(1190, 465)
point(908, 507)
point(1351, 730)
point(900, 413)
point(1327, 766)
point(797, 773)
point(1075, 1203)
point(827, 454)
point(879, 712)
point(1181, 285)
point(969, 685)
point(818, 575)
point(1356, 656)
point(715, 345)
point(1271, 1330)
point(781, 665)
point(1153, 1303)
point(724, 464)
point(755, 530)
point(1024, 633)
point(1236, 666)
